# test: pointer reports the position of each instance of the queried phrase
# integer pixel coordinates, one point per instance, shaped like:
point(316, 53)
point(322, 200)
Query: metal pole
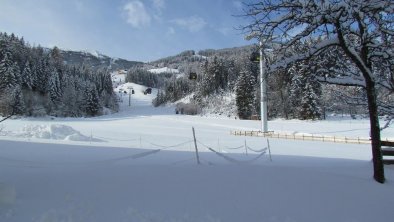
point(129, 97)
point(263, 95)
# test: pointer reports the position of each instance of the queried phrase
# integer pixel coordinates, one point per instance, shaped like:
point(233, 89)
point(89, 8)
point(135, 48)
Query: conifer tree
point(91, 100)
point(305, 92)
point(8, 77)
point(54, 86)
point(27, 78)
point(310, 108)
point(245, 94)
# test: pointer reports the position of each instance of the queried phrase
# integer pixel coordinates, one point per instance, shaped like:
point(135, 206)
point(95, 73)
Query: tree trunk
point(375, 132)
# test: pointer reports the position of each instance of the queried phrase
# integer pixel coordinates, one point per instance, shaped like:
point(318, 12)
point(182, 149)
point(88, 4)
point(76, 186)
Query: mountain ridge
point(97, 60)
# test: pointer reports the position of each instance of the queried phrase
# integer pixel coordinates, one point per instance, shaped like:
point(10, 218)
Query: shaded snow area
point(146, 169)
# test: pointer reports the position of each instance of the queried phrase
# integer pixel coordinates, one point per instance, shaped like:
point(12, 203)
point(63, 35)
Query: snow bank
point(53, 131)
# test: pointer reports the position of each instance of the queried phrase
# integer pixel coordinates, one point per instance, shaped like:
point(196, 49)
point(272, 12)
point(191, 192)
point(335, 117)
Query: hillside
point(191, 56)
point(97, 60)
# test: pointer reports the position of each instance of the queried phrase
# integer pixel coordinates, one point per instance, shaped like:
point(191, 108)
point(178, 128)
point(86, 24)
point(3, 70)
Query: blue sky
point(141, 30)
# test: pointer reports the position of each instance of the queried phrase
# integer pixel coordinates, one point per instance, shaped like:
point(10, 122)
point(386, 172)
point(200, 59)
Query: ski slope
point(140, 165)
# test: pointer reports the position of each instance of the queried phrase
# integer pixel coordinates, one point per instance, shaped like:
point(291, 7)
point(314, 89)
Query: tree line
point(35, 81)
point(297, 91)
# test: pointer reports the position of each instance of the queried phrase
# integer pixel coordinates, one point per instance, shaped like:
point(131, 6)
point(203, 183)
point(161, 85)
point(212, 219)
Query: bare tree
point(362, 29)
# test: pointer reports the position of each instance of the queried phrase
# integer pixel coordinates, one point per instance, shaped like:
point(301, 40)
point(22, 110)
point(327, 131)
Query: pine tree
point(27, 78)
point(310, 108)
point(8, 78)
point(91, 101)
point(17, 103)
point(245, 94)
point(42, 73)
point(305, 92)
point(54, 88)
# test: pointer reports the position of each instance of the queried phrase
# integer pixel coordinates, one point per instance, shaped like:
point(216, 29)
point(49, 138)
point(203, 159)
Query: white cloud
point(170, 31)
point(137, 15)
point(225, 30)
point(193, 23)
point(159, 5)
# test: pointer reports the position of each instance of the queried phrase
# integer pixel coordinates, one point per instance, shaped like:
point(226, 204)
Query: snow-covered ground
point(164, 70)
point(140, 165)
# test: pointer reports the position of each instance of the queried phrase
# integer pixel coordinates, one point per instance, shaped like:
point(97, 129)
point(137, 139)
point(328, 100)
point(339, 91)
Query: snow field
point(144, 169)
point(82, 183)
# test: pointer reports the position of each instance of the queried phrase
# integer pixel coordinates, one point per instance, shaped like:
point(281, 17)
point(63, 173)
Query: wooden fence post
point(195, 145)
point(246, 148)
point(269, 150)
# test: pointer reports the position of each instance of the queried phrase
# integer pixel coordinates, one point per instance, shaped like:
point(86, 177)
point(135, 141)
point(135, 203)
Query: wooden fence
point(307, 137)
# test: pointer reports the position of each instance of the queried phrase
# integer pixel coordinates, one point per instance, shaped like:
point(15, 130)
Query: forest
point(227, 83)
point(36, 81)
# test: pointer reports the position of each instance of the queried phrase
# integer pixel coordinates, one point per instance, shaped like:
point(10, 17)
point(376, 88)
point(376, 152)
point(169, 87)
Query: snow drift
point(54, 132)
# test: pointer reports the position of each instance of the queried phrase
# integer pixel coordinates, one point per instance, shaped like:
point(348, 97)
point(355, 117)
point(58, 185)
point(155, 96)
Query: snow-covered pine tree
point(42, 71)
point(54, 88)
point(17, 104)
point(8, 75)
point(91, 100)
point(27, 78)
point(207, 84)
point(71, 98)
point(305, 92)
point(244, 90)
point(296, 87)
point(310, 108)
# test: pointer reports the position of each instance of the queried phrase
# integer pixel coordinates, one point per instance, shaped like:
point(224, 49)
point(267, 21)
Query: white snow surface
point(145, 170)
point(94, 53)
point(52, 131)
point(163, 70)
point(118, 78)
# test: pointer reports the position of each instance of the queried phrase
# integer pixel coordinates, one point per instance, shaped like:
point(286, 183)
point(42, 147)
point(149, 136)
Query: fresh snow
point(144, 169)
point(164, 70)
point(94, 53)
point(53, 131)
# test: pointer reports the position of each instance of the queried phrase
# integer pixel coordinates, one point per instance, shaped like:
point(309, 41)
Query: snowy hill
point(139, 98)
point(96, 60)
point(140, 102)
